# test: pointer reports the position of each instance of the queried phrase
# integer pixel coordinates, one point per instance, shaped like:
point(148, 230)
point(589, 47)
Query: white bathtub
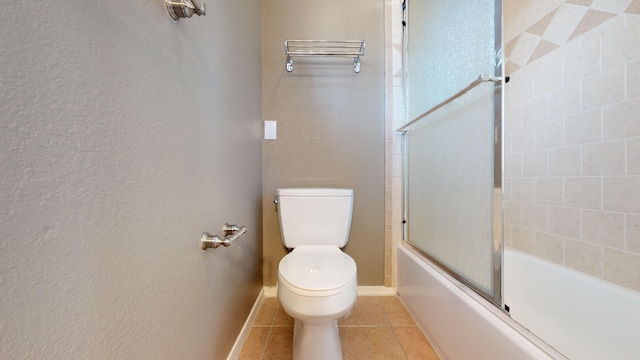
point(460, 324)
point(581, 316)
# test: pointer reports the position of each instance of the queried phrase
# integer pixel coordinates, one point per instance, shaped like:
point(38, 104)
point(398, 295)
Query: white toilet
point(316, 281)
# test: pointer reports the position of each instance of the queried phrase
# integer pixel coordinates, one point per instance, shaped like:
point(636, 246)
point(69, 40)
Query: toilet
point(316, 280)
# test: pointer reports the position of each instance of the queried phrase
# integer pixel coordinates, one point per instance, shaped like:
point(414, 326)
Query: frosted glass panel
point(450, 43)
point(450, 153)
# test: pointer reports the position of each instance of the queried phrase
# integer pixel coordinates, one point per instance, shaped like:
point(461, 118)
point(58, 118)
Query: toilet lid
point(317, 267)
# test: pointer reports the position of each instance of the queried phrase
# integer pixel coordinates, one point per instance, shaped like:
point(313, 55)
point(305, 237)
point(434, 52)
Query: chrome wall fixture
point(213, 241)
point(184, 8)
point(335, 48)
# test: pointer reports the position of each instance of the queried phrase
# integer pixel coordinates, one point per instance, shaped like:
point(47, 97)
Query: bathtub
point(582, 316)
point(460, 324)
point(577, 316)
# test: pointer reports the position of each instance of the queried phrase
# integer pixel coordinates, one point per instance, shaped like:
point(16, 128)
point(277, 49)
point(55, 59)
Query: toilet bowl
point(317, 282)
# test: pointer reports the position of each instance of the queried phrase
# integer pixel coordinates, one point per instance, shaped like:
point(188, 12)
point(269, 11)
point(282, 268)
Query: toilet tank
point(314, 216)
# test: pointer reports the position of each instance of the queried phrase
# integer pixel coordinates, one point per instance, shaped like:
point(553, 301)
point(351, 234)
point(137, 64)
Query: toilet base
point(316, 340)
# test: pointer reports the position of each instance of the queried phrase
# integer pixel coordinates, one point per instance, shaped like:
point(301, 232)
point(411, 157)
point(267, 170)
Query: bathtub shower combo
point(472, 296)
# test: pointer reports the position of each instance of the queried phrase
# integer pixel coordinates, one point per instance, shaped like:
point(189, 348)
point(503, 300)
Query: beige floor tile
point(267, 312)
point(366, 312)
point(255, 344)
point(396, 312)
point(282, 318)
point(370, 343)
point(414, 344)
point(279, 343)
point(379, 328)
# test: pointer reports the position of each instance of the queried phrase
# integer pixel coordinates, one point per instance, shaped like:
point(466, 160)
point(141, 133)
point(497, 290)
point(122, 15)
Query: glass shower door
point(453, 138)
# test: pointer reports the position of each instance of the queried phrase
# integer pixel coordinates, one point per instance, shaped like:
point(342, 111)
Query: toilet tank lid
point(315, 192)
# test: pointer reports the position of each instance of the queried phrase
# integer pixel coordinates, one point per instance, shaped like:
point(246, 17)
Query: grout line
point(386, 315)
point(266, 342)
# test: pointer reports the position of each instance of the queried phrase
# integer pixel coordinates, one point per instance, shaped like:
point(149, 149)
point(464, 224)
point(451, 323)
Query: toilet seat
point(317, 270)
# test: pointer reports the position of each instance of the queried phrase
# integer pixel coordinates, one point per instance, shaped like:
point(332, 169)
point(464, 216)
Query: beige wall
point(124, 136)
point(330, 121)
point(572, 140)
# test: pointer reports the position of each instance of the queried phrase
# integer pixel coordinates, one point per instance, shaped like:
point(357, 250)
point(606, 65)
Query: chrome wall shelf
point(323, 48)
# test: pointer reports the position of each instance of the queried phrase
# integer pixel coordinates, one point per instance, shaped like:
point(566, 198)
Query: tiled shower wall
point(572, 134)
point(393, 139)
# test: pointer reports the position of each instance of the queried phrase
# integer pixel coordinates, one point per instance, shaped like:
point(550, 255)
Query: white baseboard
point(234, 354)
point(270, 291)
point(377, 291)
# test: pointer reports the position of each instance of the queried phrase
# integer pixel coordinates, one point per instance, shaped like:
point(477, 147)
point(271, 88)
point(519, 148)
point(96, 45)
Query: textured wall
point(124, 136)
point(572, 140)
point(330, 121)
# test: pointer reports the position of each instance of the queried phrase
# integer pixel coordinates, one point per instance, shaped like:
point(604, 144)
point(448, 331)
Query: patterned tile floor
point(378, 328)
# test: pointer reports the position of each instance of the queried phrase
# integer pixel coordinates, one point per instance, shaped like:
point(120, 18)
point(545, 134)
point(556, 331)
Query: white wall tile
point(564, 101)
point(534, 163)
point(621, 46)
point(506, 189)
point(583, 257)
point(525, 45)
point(564, 222)
point(507, 235)
point(601, 31)
point(582, 63)
point(521, 86)
point(622, 268)
point(522, 190)
point(603, 228)
point(550, 247)
point(535, 110)
point(513, 165)
point(633, 233)
point(522, 139)
point(523, 15)
point(565, 161)
point(513, 213)
point(614, 6)
point(605, 158)
point(549, 191)
point(583, 100)
point(604, 89)
point(507, 141)
point(549, 77)
point(631, 18)
point(563, 23)
point(549, 134)
point(582, 128)
point(549, 5)
point(633, 79)
point(622, 194)
point(583, 192)
point(622, 120)
point(512, 116)
point(534, 217)
point(522, 239)
point(633, 156)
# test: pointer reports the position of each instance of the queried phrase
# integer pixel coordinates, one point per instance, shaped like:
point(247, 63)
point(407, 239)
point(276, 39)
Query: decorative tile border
point(567, 22)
